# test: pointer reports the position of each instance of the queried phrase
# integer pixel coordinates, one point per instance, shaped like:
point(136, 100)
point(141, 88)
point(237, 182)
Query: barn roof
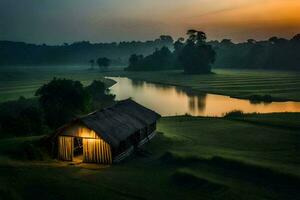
point(118, 122)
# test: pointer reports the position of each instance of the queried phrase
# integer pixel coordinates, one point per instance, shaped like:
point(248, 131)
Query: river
point(172, 100)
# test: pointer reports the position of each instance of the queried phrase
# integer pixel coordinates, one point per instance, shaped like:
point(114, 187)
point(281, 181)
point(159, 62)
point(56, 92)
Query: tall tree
point(197, 56)
point(103, 62)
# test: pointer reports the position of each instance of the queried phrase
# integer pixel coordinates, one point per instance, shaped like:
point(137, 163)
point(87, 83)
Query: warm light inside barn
point(94, 149)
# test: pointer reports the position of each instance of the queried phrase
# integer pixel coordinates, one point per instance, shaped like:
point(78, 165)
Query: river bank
point(257, 85)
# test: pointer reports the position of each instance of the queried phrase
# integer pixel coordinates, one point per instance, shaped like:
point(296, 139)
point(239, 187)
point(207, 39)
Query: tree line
point(160, 54)
point(20, 53)
point(196, 55)
point(274, 53)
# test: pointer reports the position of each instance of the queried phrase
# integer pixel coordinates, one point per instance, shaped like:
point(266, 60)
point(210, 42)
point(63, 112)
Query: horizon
point(57, 22)
point(145, 40)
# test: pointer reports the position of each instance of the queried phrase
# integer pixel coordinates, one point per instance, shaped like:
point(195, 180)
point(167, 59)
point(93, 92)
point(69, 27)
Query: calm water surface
point(171, 100)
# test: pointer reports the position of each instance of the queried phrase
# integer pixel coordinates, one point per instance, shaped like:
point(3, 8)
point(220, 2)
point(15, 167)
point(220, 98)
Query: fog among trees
point(83, 53)
point(274, 53)
point(194, 56)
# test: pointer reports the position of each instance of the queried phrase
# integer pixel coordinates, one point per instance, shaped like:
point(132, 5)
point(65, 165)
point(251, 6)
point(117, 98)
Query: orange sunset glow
point(262, 19)
point(116, 20)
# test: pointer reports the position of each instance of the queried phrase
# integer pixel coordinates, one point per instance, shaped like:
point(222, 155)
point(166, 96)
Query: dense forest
point(194, 55)
point(274, 53)
point(20, 53)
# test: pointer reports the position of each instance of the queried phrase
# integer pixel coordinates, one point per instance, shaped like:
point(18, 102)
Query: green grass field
point(242, 157)
point(192, 158)
point(22, 81)
point(15, 82)
point(280, 85)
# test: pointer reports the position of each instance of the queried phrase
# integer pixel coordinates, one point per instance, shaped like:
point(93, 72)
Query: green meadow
point(281, 85)
point(190, 158)
point(24, 81)
point(248, 156)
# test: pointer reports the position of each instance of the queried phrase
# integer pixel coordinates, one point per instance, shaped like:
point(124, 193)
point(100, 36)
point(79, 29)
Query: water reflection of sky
point(171, 100)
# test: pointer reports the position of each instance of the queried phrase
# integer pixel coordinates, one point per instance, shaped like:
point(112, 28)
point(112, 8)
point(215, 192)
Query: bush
point(234, 114)
point(260, 98)
point(61, 100)
point(21, 118)
point(25, 148)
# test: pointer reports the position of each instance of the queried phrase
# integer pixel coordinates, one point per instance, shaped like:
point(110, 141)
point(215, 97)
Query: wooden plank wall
point(96, 151)
point(65, 148)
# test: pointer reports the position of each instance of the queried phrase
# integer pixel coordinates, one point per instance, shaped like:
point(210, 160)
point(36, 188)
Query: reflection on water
point(171, 100)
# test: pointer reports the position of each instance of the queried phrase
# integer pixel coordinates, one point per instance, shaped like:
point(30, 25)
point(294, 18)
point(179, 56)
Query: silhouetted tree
point(61, 100)
point(159, 60)
point(100, 94)
point(274, 53)
point(226, 42)
point(179, 44)
point(103, 63)
point(251, 41)
point(166, 40)
point(197, 56)
point(296, 38)
point(134, 60)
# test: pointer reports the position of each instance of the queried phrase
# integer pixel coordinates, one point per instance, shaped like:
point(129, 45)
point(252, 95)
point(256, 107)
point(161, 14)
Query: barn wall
point(96, 151)
point(78, 130)
point(65, 148)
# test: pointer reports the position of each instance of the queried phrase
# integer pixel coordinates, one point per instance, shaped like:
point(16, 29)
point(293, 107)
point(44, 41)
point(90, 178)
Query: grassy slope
point(255, 162)
point(241, 84)
point(16, 82)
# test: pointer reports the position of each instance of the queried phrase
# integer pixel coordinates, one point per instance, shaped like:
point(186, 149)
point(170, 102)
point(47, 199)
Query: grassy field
point(192, 158)
point(24, 81)
point(21, 81)
point(241, 84)
point(238, 157)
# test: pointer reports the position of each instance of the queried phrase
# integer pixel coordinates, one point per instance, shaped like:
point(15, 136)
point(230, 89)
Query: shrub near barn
point(21, 117)
point(61, 100)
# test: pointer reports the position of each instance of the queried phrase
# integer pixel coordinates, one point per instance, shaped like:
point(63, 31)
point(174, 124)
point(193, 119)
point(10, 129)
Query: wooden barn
point(107, 135)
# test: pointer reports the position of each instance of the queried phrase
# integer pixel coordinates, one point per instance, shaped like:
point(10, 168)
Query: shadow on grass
point(268, 178)
point(31, 149)
point(188, 179)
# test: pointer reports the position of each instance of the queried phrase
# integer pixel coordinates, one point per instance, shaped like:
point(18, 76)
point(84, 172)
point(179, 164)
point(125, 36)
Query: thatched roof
point(118, 122)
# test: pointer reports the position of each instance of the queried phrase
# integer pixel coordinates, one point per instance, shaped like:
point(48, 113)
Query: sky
point(60, 21)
